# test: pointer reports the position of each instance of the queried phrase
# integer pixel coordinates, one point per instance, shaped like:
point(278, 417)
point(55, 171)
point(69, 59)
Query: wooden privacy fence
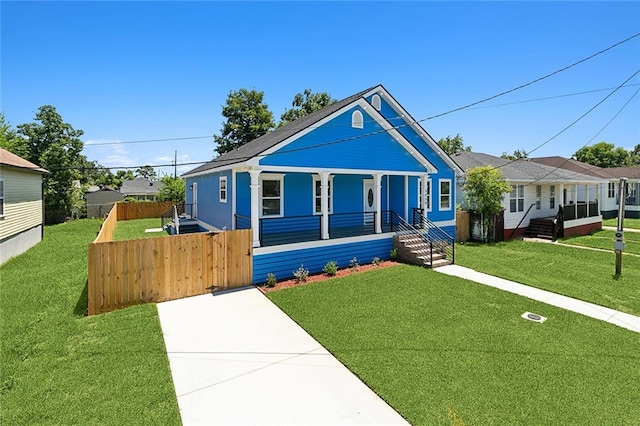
point(142, 210)
point(126, 273)
point(463, 227)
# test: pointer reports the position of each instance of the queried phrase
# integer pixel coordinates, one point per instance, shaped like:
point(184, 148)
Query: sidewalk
point(621, 319)
point(236, 358)
point(613, 228)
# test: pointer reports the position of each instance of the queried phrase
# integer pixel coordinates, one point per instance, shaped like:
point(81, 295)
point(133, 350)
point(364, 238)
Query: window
point(1, 198)
point(357, 120)
point(538, 197)
point(271, 195)
point(223, 189)
point(426, 193)
point(552, 197)
point(516, 201)
point(375, 101)
point(445, 194)
point(612, 190)
point(317, 195)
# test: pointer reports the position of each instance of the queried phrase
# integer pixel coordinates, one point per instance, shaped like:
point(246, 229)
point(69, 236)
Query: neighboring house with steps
point(545, 201)
point(334, 185)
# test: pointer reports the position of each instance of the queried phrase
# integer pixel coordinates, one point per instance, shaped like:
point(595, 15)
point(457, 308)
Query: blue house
point(338, 184)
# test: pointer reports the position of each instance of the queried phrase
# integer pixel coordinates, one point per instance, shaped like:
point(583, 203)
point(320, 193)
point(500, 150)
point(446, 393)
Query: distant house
point(609, 190)
point(334, 185)
point(141, 189)
point(21, 205)
point(542, 198)
point(100, 200)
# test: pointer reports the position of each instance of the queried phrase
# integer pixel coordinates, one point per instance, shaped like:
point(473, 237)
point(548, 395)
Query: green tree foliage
point(55, 145)
point(634, 156)
point(484, 190)
point(10, 140)
point(247, 118)
point(517, 154)
point(173, 188)
point(146, 172)
point(304, 104)
point(453, 145)
point(603, 154)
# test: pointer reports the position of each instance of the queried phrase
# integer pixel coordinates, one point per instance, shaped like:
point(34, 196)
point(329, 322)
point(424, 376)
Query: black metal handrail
point(432, 232)
point(290, 229)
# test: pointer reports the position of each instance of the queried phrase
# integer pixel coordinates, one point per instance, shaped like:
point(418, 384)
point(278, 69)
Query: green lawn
point(134, 229)
point(604, 240)
point(628, 223)
point(583, 274)
point(60, 367)
point(439, 349)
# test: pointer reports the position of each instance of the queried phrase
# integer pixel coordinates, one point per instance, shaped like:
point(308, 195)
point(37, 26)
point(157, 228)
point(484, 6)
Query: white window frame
point(315, 197)
point(376, 102)
point(517, 195)
point(223, 192)
point(552, 197)
point(427, 193)
point(441, 195)
point(357, 120)
point(2, 197)
point(611, 190)
point(276, 177)
point(538, 197)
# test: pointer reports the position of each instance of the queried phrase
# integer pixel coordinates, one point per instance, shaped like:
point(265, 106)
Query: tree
point(172, 189)
point(634, 156)
point(55, 145)
point(603, 154)
point(453, 145)
point(304, 104)
point(484, 191)
point(10, 140)
point(146, 172)
point(247, 118)
point(517, 154)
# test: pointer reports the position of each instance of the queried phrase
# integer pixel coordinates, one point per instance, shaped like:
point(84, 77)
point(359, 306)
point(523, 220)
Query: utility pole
point(175, 163)
point(618, 243)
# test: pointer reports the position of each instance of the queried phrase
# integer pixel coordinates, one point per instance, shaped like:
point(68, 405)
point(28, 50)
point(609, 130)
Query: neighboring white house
point(141, 189)
point(21, 205)
point(608, 193)
point(538, 191)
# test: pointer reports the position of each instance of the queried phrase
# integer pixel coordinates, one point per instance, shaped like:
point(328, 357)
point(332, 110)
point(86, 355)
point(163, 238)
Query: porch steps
point(416, 250)
point(541, 228)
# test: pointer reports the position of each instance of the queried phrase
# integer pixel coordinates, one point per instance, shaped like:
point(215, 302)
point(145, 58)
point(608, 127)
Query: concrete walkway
point(236, 358)
point(621, 319)
point(613, 228)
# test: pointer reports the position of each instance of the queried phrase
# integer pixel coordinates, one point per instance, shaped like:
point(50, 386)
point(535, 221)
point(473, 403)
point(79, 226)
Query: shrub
point(301, 274)
point(353, 264)
point(376, 261)
point(271, 280)
point(394, 253)
point(330, 268)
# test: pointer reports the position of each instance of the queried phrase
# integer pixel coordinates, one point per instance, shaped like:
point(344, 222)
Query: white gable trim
point(386, 96)
point(371, 112)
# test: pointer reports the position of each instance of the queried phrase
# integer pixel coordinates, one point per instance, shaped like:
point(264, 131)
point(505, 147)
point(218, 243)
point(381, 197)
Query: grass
point(442, 350)
point(134, 229)
point(60, 367)
point(604, 240)
point(627, 223)
point(583, 274)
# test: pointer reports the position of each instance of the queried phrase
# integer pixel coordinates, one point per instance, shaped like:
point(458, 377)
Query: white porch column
point(575, 199)
point(406, 198)
point(324, 204)
point(423, 195)
point(255, 208)
point(562, 200)
point(377, 183)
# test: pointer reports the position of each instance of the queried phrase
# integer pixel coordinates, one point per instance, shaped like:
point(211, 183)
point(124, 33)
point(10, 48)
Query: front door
point(369, 201)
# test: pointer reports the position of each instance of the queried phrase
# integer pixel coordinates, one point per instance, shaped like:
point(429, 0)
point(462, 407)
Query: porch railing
point(580, 210)
point(431, 233)
point(182, 210)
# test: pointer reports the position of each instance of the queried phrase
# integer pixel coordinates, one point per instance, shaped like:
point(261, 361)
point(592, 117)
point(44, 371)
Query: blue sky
point(131, 71)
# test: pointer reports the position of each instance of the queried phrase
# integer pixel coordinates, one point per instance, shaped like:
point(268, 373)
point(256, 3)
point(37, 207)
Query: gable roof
point(274, 137)
point(520, 170)
point(140, 186)
point(10, 159)
point(631, 172)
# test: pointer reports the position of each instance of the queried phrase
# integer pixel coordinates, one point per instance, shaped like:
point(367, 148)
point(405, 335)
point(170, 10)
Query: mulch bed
point(323, 277)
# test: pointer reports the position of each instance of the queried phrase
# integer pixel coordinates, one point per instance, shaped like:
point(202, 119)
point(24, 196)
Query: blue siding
point(396, 194)
point(378, 151)
point(282, 264)
point(243, 194)
point(210, 209)
point(348, 193)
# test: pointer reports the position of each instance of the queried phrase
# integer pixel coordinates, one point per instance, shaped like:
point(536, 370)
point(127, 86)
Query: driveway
point(236, 358)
